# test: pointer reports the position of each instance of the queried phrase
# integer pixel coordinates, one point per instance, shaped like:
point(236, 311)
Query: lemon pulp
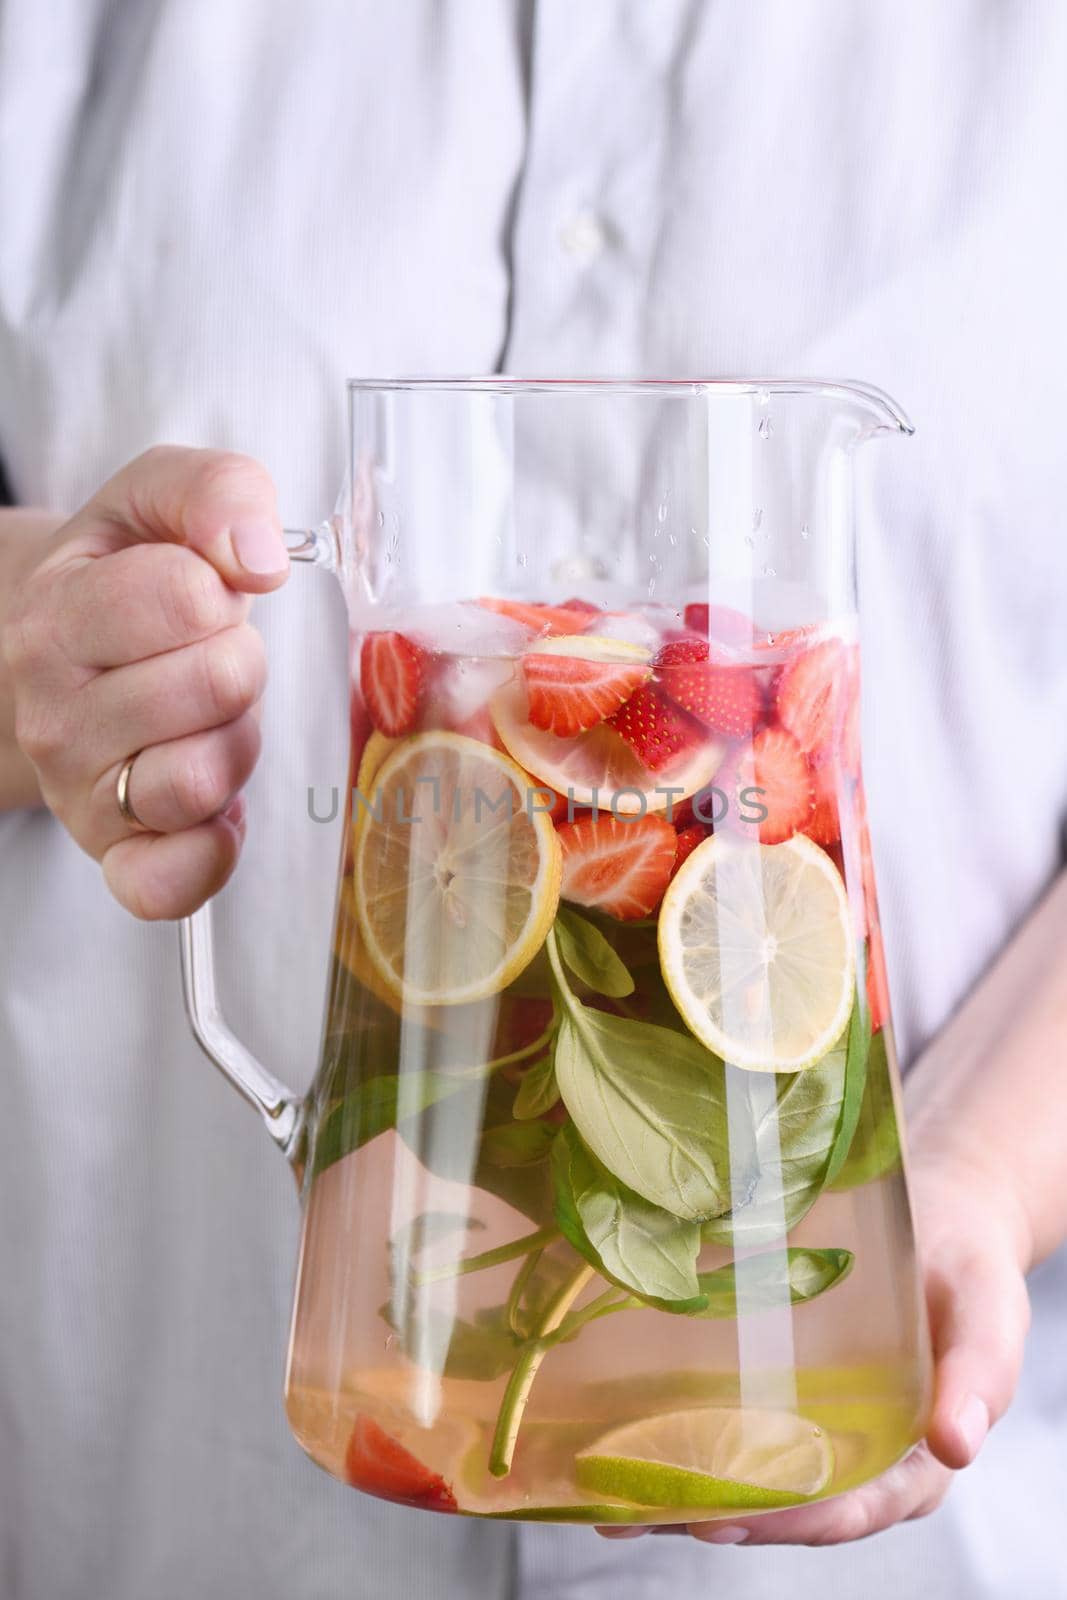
point(756, 949)
point(456, 876)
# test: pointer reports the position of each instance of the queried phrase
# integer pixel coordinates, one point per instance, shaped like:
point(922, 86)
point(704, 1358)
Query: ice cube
point(458, 628)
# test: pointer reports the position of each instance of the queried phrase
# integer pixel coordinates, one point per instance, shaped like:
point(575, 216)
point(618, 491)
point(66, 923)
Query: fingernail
point(731, 1534)
point(972, 1420)
point(622, 1533)
point(259, 547)
point(236, 811)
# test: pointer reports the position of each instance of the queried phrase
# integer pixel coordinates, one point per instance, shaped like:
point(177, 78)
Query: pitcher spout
point(879, 412)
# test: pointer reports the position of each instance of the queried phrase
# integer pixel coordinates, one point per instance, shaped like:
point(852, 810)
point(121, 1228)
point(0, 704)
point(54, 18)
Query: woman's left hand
point(975, 1253)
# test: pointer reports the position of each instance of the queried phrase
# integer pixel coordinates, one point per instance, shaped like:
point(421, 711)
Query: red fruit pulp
point(655, 728)
point(621, 866)
point(378, 1464)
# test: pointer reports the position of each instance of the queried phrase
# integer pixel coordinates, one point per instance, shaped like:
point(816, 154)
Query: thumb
point(217, 503)
point(980, 1313)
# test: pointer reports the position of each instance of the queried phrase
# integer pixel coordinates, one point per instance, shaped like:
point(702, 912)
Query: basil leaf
point(590, 956)
point(635, 1244)
point(535, 1287)
point(445, 1120)
point(408, 1242)
point(517, 1144)
point(427, 1228)
point(794, 1136)
point(650, 1104)
point(857, 1046)
point(483, 1349)
point(770, 1280)
point(875, 1149)
point(538, 1090)
point(375, 1105)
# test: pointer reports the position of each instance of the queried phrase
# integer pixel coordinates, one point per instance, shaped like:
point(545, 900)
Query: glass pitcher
point(605, 1213)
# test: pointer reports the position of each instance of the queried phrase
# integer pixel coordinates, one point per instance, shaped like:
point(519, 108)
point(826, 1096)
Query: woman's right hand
point(130, 636)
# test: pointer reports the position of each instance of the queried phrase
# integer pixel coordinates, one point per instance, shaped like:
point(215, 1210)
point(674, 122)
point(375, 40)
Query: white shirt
point(211, 213)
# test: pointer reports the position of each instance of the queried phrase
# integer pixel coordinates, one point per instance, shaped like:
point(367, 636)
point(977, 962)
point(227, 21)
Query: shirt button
point(583, 236)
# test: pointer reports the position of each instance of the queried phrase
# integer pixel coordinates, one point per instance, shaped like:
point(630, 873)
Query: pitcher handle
point(279, 1106)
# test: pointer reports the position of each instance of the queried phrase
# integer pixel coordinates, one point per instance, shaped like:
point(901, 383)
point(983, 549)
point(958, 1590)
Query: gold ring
point(122, 795)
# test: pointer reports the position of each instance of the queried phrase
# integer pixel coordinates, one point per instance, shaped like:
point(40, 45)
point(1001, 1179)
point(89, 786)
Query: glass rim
point(866, 395)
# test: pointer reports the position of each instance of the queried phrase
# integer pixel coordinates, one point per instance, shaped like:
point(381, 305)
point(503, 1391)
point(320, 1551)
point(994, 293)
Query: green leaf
point(536, 1285)
point(635, 1244)
point(875, 1149)
point(590, 956)
point(445, 1119)
point(517, 1144)
point(376, 1104)
point(408, 1242)
point(483, 1349)
point(527, 1188)
point(795, 1117)
point(428, 1228)
point(651, 1106)
point(538, 1090)
point(769, 1280)
point(856, 1051)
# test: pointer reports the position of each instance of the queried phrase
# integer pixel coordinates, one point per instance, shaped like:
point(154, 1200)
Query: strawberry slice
point(379, 1464)
point(575, 604)
point(620, 866)
point(807, 696)
point(540, 618)
point(682, 814)
point(392, 672)
point(679, 652)
point(687, 842)
point(824, 824)
point(774, 764)
point(877, 979)
point(786, 641)
point(867, 883)
point(568, 695)
point(655, 728)
point(722, 624)
point(727, 700)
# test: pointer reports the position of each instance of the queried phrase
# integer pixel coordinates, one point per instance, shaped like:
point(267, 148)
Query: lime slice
point(756, 948)
point(455, 876)
point(540, 1486)
point(710, 1459)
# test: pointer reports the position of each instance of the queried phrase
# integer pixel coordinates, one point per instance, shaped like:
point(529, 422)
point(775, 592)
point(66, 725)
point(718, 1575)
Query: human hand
point(975, 1253)
point(130, 637)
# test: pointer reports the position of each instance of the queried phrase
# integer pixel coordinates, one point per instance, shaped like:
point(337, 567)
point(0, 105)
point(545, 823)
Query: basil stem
point(488, 1258)
point(526, 1369)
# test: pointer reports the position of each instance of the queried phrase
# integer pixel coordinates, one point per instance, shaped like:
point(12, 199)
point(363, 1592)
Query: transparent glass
point(605, 1210)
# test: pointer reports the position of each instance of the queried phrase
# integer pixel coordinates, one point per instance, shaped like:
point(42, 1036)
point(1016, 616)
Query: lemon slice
point(456, 876)
point(591, 647)
point(597, 767)
point(710, 1459)
point(350, 948)
point(756, 948)
point(375, 751)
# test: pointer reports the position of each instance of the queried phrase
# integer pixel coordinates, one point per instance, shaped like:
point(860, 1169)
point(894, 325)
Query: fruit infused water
point(606, 1154)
